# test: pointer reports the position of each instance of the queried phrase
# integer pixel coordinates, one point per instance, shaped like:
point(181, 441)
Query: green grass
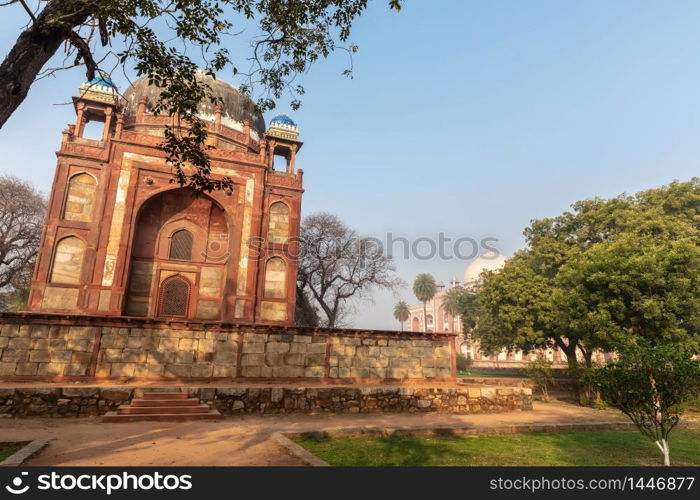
point(563, 448)
point(7, 449)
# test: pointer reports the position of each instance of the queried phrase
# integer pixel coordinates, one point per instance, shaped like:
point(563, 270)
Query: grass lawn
point(7, 449)
point(564, 448)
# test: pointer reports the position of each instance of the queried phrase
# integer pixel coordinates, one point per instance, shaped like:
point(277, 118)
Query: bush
point(652, 384)
point(463, 362)
point(541, 374)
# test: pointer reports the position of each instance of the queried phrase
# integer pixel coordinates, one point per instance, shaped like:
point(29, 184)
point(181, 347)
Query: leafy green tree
point(633, 286)
point(572, 272)
point(651, 383)
point(155, 37)
point(424, 288)
point(463, 303)
point(401, 312)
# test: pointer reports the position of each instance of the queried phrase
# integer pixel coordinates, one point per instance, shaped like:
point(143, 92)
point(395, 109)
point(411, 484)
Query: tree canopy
point(601, 275)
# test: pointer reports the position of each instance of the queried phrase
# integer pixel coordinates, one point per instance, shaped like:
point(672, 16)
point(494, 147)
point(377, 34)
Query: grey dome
point(236, 107)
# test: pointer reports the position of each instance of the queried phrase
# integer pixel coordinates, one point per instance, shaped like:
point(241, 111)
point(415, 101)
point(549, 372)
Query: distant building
point(437, 320)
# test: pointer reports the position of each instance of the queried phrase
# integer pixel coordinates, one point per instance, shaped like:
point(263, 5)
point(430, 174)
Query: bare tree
point(336, 266)
point(22, 211)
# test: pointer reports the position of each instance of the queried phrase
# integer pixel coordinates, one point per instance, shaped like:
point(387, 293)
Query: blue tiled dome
point(102, 80)
point(283, 119)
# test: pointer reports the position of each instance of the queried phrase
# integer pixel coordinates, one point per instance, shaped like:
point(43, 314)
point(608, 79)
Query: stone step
point(165, 402)
point(164, 395)
point(114, 417)
point(139, 410)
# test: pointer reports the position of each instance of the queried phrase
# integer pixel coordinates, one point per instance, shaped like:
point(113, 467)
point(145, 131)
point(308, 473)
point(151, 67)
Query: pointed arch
point(181, 245)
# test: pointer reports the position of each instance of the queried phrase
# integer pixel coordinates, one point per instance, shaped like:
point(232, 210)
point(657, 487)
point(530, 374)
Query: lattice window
point(174, 297)
point(181, 245)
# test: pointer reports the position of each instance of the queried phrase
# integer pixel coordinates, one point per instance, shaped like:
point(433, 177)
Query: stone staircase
point(162, 406)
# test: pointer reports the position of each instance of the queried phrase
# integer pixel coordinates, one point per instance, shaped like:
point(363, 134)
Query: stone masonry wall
point(68, 347)
point(91, 401)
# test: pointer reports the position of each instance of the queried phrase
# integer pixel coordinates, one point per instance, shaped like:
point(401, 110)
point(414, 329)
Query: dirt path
point(234, 440)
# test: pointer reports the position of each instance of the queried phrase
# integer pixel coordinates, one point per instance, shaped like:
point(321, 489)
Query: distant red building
point(121, 240)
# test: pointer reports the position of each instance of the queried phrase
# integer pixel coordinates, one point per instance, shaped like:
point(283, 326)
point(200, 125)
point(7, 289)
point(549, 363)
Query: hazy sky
point(467, 118)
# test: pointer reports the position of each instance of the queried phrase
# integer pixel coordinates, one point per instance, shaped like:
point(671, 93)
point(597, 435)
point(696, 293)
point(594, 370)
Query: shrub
point(541, 374)
point(463, 362)
point(652, 384)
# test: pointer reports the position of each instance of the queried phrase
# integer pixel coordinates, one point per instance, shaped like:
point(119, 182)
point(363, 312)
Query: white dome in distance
point(490, 262)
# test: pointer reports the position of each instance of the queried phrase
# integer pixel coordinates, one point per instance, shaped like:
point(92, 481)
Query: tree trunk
point(663, 446)
point(33, 48)
point(425, 317)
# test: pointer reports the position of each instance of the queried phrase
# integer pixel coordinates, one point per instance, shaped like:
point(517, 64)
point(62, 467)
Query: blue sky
point(464, 117)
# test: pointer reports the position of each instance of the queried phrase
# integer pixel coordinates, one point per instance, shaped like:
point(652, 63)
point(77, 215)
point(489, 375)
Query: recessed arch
point(278, 226)
point(275, 285)
point(80, 197)
point(181, 245)
point(67, 264)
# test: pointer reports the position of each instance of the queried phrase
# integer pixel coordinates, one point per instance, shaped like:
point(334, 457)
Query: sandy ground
point(234, 440)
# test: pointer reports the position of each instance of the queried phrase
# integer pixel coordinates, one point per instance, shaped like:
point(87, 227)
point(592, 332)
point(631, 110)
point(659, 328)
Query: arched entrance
point(179, 257)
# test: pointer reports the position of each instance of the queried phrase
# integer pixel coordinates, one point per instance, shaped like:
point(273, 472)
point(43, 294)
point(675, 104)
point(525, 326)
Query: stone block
point(79, 392)
point(3, 342)
point(133, 356)
point(205, 345)
point(287, 371)
point(293, 359)
point(202, 370)
point(315, 360)
point(474, 392)
point(121, 394)
point(277, 347)
point(123, 369)
point(27, 368)
point(226, 357)
point(184, 357)
point(188, 344)
point(112, 355)
point(317, 348)
point(305, 339)
point(8, 368)
point(76, 369)
point(15, 355)
point(61, 356)
point(178, 370)
point(39, 356)
point(224, 371)
point(134, 343)
point(81, 357)
point(19, 343)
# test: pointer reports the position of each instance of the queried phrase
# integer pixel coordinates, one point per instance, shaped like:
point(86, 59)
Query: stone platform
point(74, 400)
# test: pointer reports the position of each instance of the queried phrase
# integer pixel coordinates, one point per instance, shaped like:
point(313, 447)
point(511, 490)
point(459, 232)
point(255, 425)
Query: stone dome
point(490, 261)
point(237, 107)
